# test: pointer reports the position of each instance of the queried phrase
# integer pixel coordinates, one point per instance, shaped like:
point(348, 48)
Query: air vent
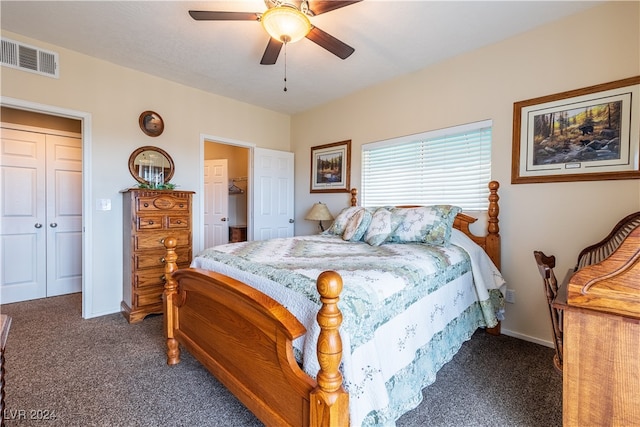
point(28, 58)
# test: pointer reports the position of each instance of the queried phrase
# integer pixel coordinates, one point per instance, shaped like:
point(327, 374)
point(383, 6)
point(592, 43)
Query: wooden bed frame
point(244, 338)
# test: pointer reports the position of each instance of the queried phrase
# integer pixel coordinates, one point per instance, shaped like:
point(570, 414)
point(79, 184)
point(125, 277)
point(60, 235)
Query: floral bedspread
point(407, 308)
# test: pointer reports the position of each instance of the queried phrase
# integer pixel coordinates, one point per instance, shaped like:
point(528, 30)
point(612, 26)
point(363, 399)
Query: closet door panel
point(64, 215)
point(22, 216)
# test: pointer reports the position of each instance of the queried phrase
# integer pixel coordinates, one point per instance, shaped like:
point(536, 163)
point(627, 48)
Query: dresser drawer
point(174, 222)
point(154, 240)
point(149, 222)
point(146, 278)
point(151, 259)
point(152, 297)
point(153, 276)
point(161, 203)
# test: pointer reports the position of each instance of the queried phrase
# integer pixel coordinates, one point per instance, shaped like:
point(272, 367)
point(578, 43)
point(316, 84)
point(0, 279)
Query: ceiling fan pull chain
point(285, 67)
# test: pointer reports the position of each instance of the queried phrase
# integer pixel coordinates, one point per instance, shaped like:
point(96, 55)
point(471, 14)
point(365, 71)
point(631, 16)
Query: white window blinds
point(448, 166)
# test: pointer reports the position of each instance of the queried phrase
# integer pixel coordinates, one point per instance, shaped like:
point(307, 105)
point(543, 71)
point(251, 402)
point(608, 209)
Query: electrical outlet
point(510, 297)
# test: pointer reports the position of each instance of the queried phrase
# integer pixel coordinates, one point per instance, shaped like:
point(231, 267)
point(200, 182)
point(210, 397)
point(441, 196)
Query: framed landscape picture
point(582, 135)
point(331, 167)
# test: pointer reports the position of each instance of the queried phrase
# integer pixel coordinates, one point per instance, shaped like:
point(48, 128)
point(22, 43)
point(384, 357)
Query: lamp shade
point(319, 212)
point(286, 23)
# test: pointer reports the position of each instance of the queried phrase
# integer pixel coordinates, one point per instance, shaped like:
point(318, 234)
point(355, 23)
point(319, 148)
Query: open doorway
point(42, 206)
point(226, 193)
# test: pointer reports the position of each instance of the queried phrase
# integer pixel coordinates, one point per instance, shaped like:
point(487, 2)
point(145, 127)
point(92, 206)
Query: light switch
point(103, 204)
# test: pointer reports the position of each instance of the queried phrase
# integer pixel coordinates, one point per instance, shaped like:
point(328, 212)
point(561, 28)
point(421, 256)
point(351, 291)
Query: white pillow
point(383, 223)
point(340, 222)
point(357, 225)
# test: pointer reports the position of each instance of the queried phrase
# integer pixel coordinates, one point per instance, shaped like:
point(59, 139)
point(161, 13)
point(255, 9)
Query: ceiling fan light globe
point(286, 23)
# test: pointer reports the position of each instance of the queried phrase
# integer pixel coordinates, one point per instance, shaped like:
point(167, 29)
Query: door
point(64, 215)
point(22, 215)
point(272, 194)
point(40, 215)
point(216, 202)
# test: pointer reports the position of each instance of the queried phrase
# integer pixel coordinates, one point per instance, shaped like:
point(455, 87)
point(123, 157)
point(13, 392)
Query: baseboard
point(102, 313)
point(527, 338)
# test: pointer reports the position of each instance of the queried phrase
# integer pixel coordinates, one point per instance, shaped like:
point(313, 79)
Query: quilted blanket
point(407, 308)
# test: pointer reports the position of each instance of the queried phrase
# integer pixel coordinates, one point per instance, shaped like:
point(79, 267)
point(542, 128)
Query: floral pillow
point(383, 223)
point(357, 225)
point(341, 220)
point(426, 224)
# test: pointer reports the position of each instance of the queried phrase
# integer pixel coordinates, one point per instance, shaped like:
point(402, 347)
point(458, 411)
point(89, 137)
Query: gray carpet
point(106, 372)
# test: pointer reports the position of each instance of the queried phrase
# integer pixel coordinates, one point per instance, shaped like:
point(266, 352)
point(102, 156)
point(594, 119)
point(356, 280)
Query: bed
point(358, 351)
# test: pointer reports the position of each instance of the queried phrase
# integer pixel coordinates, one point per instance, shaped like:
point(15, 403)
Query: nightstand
point(237, 233)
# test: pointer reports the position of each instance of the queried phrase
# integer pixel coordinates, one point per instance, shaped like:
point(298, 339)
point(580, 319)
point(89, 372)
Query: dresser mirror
point(151, 166)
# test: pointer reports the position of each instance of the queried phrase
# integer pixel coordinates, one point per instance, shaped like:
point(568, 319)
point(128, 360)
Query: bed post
point(329, 401)
point(493, 236)
point(354, 197)
point(492, 242)
point(169, 297)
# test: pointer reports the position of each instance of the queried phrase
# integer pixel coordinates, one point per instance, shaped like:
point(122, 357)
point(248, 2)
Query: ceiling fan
point(278, 20)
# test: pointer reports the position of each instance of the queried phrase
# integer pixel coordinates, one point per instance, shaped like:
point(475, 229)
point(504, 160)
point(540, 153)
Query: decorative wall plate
point(151, 123)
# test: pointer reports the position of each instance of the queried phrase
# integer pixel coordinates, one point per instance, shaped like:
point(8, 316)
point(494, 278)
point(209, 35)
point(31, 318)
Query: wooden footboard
point(244, 338)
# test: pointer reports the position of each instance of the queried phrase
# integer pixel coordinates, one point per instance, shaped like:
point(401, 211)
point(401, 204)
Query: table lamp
point(319, 212)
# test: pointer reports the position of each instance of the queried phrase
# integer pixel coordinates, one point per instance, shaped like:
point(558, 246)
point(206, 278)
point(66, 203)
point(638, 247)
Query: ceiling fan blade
point(271, 53)
point(323, 6)
point(332, 44)
point(203, 15)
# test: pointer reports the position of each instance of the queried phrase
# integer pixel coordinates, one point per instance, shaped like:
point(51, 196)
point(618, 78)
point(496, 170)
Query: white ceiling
point(391, 38)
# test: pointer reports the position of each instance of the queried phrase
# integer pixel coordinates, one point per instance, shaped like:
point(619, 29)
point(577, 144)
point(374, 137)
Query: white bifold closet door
point(40, 214)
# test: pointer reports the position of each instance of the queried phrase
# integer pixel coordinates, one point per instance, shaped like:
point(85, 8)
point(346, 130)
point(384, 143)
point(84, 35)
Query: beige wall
point(114, 97)
point(597, 46)
point(238, 157)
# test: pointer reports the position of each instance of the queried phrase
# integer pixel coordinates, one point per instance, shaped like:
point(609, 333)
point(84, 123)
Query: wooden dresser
point(601, 309)
point(149, 217)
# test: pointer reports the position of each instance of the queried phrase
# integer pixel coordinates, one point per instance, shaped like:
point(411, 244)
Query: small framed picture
point(331, 167)
point(151, 123)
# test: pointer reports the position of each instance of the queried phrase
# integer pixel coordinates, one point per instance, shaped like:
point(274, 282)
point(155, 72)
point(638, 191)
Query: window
point(446, 166)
